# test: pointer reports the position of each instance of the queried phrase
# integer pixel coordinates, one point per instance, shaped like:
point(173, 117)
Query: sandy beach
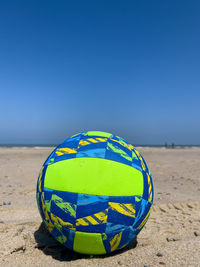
point(171, 237)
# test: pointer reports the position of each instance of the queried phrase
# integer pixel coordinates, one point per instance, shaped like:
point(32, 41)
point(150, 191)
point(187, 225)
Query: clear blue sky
point(127, 67)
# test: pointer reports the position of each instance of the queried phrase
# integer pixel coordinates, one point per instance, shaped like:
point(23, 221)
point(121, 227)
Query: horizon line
point(55, 145)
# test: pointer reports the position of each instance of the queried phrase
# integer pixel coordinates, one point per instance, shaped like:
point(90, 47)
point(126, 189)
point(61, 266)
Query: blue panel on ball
point(116, 217)
point(90, 209)
point(117, 157)
point(70, 237)
point(98, 228)
point(84, 199)
point(92, 153)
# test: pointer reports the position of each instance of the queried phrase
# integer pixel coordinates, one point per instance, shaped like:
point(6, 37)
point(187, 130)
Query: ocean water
point(48, 146)
point(26, 146)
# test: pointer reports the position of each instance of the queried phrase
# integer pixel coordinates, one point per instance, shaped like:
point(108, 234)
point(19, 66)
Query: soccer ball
point(95, 193)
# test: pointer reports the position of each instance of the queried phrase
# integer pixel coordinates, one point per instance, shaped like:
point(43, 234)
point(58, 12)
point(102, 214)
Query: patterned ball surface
point(95, 193)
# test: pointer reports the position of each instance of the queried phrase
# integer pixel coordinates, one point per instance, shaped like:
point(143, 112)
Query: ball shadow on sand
point(50, 246)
